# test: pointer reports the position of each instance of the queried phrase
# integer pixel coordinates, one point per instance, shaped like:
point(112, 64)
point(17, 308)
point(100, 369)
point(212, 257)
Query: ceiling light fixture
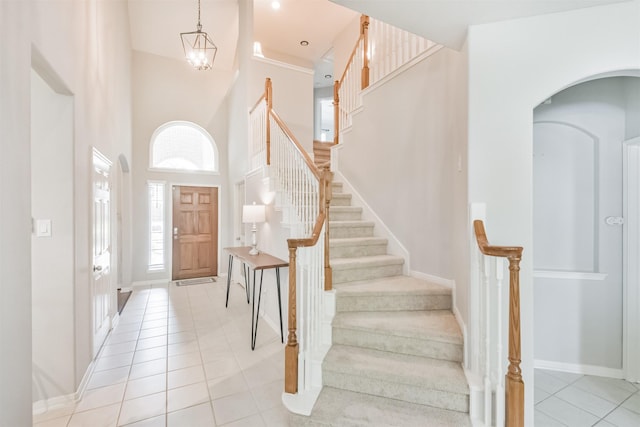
point(304, 43)
point(199, 49)
point(275, 5)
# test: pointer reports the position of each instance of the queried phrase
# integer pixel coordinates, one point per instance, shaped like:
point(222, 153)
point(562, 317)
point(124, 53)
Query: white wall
point(166, 90)
point(513, 66)
point(15, 215)
point(87, 45)
point(401, 156)
point(580, 322)
point(52, 257)
point(292, 95)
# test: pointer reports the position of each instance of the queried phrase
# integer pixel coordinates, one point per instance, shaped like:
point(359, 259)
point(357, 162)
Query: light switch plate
point(43, 228)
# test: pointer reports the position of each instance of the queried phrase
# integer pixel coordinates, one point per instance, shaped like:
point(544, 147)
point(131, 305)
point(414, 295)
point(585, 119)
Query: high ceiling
point(156, 25)
point(446, 21)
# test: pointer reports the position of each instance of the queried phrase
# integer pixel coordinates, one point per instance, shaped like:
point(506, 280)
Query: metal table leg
point(255, 314)
point(247, 281)
point(279, 303)
point(226, 304)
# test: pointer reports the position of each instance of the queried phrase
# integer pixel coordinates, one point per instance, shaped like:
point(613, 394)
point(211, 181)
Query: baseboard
point(58, 402)
point(573, 368)
point(85, 380)
point(148, 283)
point(463, 328)
point(42, 406)
point(448, 283)
point(394, 247)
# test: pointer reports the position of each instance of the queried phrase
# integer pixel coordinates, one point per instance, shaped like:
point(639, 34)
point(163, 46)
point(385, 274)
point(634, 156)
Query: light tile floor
point(564, 399)
point(178, 357)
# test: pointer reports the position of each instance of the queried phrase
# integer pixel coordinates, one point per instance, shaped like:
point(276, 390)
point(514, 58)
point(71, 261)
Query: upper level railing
point(305, 193)
point(380, 50)
point(509, 403)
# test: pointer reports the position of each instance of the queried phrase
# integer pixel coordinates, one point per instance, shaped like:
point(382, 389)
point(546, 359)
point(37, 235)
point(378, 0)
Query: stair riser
point(365, 273)
point(341, 200)
point(345, 216)
point(357, 251)
point(351, 231)
point(395, 344)
point(408, 393)
point(393, 302)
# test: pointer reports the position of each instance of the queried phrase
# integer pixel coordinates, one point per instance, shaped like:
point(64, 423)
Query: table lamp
point(253, 214)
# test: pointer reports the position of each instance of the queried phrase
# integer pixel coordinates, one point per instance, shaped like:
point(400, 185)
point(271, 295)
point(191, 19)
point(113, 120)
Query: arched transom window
point(183, 146)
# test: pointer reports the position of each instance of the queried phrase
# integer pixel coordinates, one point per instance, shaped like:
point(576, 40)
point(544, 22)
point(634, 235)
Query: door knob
point(97, 268)
point(614, 220)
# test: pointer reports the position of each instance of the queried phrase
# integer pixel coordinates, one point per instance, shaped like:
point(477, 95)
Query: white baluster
point(487, 348)
point(499, 371)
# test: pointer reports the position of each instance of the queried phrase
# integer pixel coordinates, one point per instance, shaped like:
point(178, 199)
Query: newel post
point(327, 179)
point(291, 349)
point(269, 101)
point(336, 111)
point(514, 384)
point(364, 33)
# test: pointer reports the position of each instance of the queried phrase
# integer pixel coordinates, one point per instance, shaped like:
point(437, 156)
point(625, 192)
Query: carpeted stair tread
point(364, 262)
point(401, 369)
point(350, 409)
point(350, 223)
point(436, 325)
point(391, 285)
point(364, 241)
point(346, 209)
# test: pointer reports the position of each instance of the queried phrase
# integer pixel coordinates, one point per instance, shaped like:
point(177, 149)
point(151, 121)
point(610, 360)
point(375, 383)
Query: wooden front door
point(195, 232)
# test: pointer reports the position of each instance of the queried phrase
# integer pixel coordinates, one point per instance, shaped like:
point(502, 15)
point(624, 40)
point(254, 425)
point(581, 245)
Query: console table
point(262, 261)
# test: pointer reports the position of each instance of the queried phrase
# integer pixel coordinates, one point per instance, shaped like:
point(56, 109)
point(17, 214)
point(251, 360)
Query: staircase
point(397, 349)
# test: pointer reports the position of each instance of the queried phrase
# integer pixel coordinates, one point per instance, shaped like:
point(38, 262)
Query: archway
point(581, 309)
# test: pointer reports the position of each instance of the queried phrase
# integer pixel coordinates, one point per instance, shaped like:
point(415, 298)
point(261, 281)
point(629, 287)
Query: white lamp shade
point(253, 213)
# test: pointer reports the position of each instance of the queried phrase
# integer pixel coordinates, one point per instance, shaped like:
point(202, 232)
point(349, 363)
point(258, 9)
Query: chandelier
point(199, 50)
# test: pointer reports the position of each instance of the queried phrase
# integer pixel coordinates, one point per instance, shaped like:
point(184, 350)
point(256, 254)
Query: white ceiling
point(156, 25)
point(446, 21)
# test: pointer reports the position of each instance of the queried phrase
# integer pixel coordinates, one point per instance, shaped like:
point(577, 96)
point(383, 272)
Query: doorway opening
point(194, 232)
point(581, 280)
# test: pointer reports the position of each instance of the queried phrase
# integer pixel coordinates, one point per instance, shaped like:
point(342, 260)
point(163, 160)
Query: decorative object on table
point(253, 214)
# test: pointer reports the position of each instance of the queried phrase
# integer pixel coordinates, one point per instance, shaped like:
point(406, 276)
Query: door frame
point(99, 160)
point(169, 221)
point(631, 259)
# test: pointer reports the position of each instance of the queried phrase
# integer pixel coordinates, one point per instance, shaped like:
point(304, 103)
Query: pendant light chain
point(199, 25)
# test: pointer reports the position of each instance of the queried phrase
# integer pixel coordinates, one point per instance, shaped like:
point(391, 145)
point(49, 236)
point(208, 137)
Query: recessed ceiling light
point(304, 43)
point(275, 5)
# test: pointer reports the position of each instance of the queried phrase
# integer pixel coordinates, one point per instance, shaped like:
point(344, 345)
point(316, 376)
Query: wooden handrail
point(297, 145)
point(257, 104)
point(514, 390)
